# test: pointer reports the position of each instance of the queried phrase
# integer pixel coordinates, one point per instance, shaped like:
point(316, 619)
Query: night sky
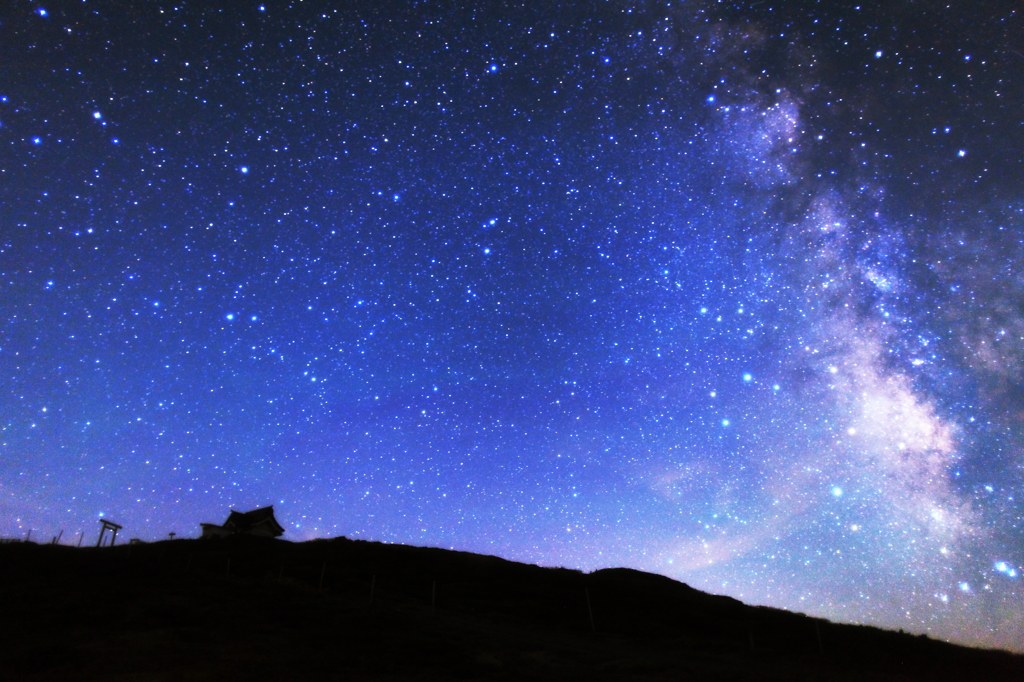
point(731, 292)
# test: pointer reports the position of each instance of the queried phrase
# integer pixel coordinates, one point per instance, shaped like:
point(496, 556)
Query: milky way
point(727, 292)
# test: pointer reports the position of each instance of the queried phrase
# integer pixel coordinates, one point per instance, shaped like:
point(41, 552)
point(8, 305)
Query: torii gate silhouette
point(108, 525)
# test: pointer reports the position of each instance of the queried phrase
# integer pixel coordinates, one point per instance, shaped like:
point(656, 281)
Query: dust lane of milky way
point(724, 291)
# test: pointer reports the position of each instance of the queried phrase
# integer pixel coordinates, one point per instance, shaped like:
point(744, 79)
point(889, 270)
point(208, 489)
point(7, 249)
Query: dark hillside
point(246, 608)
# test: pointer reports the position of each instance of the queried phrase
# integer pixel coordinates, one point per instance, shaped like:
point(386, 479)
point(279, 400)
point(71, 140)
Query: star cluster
point(724, 291)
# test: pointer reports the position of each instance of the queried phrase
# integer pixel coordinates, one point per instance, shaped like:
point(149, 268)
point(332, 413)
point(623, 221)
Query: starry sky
point(729, 292)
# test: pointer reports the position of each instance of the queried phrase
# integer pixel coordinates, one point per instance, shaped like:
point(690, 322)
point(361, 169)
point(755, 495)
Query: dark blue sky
point(728, 292)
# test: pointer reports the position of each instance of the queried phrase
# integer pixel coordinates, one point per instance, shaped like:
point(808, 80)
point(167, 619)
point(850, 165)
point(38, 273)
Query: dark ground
point(251, 609)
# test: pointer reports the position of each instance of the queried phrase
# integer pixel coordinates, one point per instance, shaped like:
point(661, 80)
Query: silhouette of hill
point(259, 609)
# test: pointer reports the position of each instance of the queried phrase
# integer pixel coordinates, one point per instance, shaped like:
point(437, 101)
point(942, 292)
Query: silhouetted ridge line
point(275, 609)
